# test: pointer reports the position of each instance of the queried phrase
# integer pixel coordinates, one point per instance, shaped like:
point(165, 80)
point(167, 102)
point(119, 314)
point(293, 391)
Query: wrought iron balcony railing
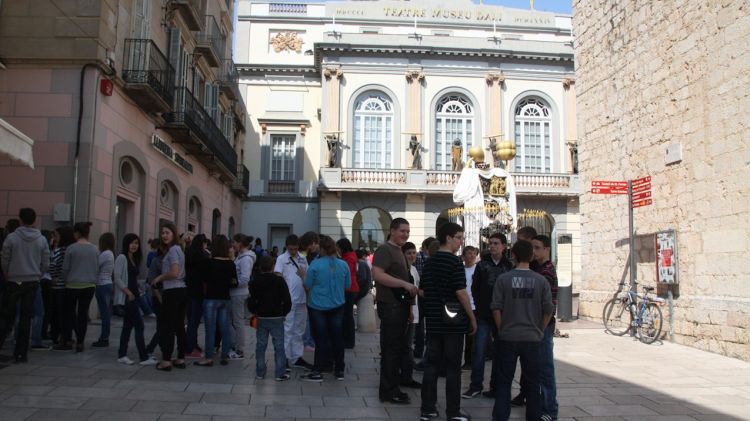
point(209, 42)
point(242, 182)
point(191, 12)
point(228, 78)
point(281, 187)
point(192, 125)
point(148, 76)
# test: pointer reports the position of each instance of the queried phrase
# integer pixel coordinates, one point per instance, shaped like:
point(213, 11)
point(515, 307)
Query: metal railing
point(144, 63)
point(211, 36)
point(281, 187)
point(295, 8)
point(242, 181)
point(190, 112)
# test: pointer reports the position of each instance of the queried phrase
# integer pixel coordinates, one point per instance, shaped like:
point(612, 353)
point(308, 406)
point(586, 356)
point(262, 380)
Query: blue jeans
point(195, 312)
point(326, 326)
point(485, 334)
point(507, 353)
point(547, 379)
point(104, 302)
point(217, 311)
point(144, 301)
point(38, 322)
point(275, 328)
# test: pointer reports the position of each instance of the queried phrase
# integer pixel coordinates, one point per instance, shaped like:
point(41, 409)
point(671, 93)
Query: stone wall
point(652, 75)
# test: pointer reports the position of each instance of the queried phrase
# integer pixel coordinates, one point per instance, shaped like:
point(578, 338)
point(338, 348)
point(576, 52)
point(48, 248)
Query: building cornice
point(245, 69)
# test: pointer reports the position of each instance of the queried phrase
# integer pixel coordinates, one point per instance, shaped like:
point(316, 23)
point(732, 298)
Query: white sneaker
point(235, 356)
point(125, 360)
point(149, 361)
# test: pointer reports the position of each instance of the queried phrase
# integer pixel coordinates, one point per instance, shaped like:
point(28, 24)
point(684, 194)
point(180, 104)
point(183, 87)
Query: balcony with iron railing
point(209, 42)
point(228, 78)
point(281, 187)
point(241, 184)
point(148, 76)
point(439, 182)
point(287, 8)
point(190, 125)
point(191, 11)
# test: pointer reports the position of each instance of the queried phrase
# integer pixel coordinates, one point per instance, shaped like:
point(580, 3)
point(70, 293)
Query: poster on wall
point(666, 257)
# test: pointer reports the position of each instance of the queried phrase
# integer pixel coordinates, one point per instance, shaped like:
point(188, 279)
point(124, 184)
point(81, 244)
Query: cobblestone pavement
point(600, 377)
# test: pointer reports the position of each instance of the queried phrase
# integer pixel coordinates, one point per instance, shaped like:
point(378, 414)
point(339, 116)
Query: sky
point(559, 6)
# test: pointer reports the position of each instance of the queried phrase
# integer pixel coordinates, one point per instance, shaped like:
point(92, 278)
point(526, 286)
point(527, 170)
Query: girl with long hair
point(104, 286)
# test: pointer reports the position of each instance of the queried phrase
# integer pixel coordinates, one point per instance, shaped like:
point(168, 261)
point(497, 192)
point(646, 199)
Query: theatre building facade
point(341, 94)
point(135, 113)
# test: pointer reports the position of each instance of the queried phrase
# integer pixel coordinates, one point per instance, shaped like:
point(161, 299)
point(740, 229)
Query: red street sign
point(608, 190)
point(612, 184)
point(641, 195)
point(641, 188)
point(644, 202)
point(642, 180)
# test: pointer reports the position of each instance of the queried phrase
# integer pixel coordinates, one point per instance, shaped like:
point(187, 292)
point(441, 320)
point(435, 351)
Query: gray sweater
point(25, 255)
point(523, 297)
point(81, 265)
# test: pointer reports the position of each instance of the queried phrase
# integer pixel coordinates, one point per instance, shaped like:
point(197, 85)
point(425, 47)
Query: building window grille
point(454, 119)
point(532, 130)
point(282, 157)
point(373, 131)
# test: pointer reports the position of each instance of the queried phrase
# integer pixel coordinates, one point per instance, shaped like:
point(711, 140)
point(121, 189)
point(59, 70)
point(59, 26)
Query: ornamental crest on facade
point(287, 41)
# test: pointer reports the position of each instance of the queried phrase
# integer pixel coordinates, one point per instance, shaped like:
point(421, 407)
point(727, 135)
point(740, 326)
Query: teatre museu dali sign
point(439, 12)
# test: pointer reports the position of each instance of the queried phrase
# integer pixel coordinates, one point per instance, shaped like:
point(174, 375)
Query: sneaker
point(466, 367)
point(149, 361)
point(101, 343)
point(194, 355)
point(284, 377)
point(288, 369)
point(259, 377)
point(312, 377)
point(489, 394)
point(301, 363)
point(40, 347)
point(339, 375)
point(460, 417)
point(471, 393)
point(240, 352)
point(428, 415)
point(309, 348)
point(125, 360)
point(519, 400)
point(235, 356)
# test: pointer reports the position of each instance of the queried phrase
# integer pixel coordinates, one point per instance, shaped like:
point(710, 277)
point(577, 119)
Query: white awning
point(15, 144)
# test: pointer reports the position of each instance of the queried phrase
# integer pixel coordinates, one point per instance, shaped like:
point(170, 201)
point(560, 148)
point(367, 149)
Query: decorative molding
point(567, 82)
point(493, 77)
point(287, 41)
point(302, 129)
point(332, 71)
point(263, 128)
point(417, 75)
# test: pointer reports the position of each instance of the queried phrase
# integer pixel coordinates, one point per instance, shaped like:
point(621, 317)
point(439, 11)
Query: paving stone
point(15, 414)
point(123, 416)
point(109, 404)
point(158, 395)
point(210, 387)
point(236, 398)
point(345, 412)
point(44, 402)
point(59, 415)
point(290, 411)
point(203, 408)
point(160, 406)
point(88, 392)
point(352, 402)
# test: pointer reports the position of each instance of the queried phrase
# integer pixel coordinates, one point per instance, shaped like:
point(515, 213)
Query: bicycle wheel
point(616, 317)
point(651, 323)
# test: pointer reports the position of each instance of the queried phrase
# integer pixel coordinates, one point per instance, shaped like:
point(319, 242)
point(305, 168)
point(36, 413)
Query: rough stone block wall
point(652, 75)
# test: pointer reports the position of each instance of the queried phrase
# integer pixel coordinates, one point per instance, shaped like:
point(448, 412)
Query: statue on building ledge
point(415, 153)
point(457, 153)
point(334, 145)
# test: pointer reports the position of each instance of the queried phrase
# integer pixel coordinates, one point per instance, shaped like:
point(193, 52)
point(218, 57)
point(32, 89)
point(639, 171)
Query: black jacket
point(269, 296)
point(483, 282)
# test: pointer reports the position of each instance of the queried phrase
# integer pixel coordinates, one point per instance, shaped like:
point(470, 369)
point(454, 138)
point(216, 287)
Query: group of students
point(505, 304)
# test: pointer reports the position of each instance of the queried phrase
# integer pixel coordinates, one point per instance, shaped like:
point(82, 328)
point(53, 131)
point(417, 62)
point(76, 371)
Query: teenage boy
point(270, 302)
point(244, 263)
point(292, 267)
point(542, 265)
point(522, 308)
point(444, 283)
point(485, 274)
point(469, 256)
point(25, 258)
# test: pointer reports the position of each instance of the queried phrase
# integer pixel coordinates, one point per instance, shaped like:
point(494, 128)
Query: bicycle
point(639, 315)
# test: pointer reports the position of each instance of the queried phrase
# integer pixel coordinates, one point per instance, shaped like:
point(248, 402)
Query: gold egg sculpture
point(477, 153)
point(506, 151)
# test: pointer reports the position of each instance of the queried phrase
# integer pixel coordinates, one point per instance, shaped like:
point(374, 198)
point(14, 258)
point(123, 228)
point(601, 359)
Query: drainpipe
point(76, 159)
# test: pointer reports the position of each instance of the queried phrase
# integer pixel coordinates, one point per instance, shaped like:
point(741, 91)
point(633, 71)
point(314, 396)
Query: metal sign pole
point(631, 238)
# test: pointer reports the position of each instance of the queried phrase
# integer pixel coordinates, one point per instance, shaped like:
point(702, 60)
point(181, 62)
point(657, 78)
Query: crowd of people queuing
point(454, 313)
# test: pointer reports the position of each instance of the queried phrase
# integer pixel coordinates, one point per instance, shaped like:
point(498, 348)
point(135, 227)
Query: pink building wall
point(43, 104)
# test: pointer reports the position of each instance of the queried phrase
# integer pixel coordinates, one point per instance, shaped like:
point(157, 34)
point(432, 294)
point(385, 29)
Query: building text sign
point(439, 12)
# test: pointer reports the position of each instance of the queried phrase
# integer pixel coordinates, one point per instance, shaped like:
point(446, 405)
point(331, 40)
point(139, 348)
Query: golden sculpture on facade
point(287, 41)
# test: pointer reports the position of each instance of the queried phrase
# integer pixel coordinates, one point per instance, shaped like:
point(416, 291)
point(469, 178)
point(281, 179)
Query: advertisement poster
point(666, 257)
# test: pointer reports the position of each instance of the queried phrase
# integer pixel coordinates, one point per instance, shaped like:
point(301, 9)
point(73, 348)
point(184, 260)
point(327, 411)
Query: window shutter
point(175, 54)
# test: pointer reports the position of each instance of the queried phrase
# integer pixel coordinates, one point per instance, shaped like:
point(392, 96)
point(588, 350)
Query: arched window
point(533, 133)
point(370, 228)
point(373, 131)
point(454, 119)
